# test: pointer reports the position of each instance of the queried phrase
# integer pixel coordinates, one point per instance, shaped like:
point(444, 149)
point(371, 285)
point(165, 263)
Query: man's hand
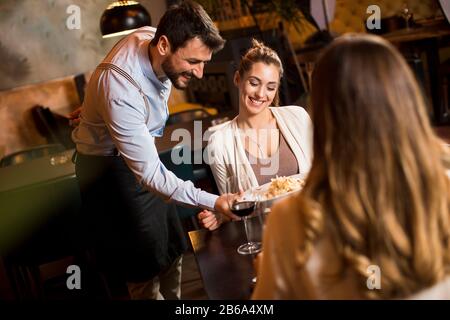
point(222, 206)
point(210, 220)
point(74, 117)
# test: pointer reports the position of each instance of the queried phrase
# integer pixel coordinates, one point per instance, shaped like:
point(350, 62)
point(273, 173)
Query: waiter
point(137, 235)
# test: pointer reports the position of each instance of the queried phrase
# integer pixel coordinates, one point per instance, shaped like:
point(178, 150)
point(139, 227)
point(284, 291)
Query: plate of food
point(276, 189)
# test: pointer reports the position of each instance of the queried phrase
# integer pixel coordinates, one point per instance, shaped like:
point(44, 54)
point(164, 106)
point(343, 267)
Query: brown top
point(287, 167)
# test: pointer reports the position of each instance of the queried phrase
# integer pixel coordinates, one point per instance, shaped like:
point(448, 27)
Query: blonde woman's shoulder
point(220, 131)
point(220, 127)
point(291, 109)
point(219, 136)
point(285, 209)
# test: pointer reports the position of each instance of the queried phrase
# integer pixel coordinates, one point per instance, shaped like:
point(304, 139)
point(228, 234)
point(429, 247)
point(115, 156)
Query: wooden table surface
point(418, 33)
point(226, 274)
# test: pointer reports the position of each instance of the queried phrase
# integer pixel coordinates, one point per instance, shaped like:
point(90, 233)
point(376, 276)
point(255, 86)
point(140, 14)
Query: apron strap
point(126, 75)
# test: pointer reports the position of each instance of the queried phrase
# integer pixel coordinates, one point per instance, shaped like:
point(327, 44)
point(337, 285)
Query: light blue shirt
point(115, 116)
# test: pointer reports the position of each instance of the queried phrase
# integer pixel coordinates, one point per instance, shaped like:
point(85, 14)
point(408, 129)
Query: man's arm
point(125, 118)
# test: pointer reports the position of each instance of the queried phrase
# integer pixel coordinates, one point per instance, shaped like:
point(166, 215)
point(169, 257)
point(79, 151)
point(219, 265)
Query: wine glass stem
point(246, 229)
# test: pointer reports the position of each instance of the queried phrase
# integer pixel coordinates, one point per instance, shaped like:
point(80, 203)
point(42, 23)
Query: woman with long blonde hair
point(373, 219)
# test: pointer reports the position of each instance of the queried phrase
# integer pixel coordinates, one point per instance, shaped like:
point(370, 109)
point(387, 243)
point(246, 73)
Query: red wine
point(242, 209)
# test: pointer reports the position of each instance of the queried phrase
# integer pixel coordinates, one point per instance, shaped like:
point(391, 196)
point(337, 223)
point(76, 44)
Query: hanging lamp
point(123, 17)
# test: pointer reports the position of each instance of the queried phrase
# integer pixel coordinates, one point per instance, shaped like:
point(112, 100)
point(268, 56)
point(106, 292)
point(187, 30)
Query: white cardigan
point(226, 154)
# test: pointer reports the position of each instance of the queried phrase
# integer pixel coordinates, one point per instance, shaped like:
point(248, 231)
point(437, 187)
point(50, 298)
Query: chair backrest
point(45, 123)
point(30, 154)
point(54, 127)
point(187, 116)
point(183, 170)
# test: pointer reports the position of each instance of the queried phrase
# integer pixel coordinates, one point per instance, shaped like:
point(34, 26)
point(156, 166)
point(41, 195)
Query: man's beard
point(174, 76)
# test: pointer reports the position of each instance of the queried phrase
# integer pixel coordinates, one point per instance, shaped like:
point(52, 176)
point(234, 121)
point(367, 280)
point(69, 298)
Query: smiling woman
point(263, 141)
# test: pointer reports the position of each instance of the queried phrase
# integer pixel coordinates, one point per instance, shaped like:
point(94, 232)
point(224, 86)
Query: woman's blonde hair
point(377, 181)
point(259, 52)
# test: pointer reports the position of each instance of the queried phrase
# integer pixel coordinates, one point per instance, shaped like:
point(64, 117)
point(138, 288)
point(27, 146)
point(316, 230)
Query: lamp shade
point(123, 17)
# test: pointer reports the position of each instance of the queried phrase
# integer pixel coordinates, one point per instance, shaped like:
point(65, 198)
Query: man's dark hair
point(186, 21)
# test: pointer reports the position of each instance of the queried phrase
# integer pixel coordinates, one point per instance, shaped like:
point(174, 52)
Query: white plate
point(249, 195)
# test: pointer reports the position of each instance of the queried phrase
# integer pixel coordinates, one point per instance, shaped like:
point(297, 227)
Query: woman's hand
point(209, 219)
point(74, 117)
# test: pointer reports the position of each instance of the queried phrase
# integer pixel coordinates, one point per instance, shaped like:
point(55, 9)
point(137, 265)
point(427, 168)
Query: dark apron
point(134, 233)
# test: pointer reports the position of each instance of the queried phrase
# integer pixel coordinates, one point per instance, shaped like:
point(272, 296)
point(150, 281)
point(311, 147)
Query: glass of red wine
point(243, 207)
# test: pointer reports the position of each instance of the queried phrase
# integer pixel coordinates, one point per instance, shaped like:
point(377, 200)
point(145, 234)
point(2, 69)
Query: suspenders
point(123, 73)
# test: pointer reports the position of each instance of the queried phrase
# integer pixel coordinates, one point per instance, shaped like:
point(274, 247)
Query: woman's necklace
point(262, 154)
point(254, 132)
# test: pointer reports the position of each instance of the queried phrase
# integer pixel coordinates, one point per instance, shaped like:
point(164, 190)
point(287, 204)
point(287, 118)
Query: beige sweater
point(226, 154)
point(279, 277)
